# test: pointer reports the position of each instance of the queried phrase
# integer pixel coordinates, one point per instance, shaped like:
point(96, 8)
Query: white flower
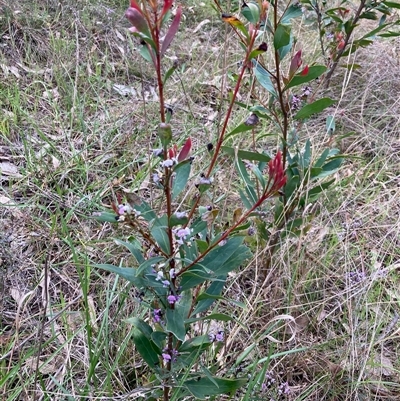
point(160, 275)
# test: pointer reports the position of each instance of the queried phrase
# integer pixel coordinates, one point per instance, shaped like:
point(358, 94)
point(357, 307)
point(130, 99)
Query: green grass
point(76, 142)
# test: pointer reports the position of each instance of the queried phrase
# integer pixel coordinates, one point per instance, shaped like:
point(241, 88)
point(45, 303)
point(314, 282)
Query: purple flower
point(180, 215)
point(306, 91)
point(168, 163)
point(268, 381)
point(182, 233)
point(220, 336)
point(295, 102)
point(160, 275)
point(251, 231)
point(157, 152)
point(172, 299)
point(157, 314)
point(284, 388)
point(330, 35)
point(166, 357)
point(165, 283)
point(356, 277)
point(175, 354)
point(156, 178)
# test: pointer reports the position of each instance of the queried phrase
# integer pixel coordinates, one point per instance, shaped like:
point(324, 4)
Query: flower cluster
point(172, 299)
point(169, 355)
point(219, 337)
point(157, 315)
point(270, 384)
point(181, 234)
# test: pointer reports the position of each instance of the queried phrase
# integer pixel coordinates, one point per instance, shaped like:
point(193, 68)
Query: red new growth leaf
point(135, 17)
point(305, 71)
point(173, 29)
point(136, 6)
point(341, 45)
point(167, 6)
point(184, 153)
point(295, 64)
point(172, 152)
point(276, 173)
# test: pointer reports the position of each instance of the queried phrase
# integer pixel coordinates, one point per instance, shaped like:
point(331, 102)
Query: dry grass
point(69, 140)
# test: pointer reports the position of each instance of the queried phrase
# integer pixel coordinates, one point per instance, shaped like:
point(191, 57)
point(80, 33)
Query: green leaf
point(146, 348)
point(282, 36)
point(147, 264)
point(391, 4)
point(292, 227)
point(369, 15)
point(175, 323)
point(202, 245)
point(195, 342)
point(330, 125)
point(128, 273)
point(247, 204)
point(145, 53)
point(205, 387)
point(255, 53)
point(319, 188)
point(159, 233)
point(251, 12)
point(283, 51)
point(198, 226)
point(375, 31)
point(313, 108)
point(313, 73)
point(314, 172)
point(240, 128)
point(247, 181)
point(322, 158)
point(158, 337)
point(291, 185)
point(134, 248)
point(176, 221)
point(140, 325)
point(259, 176)
point(246, 155)
point(305, 159)
point(333, 165)
point(194, 276)
point(182, 171)
point(241, 254)
point(243, 172)
point(236, 23)
point(214, 316)
point(293, 11)
point(220, 260)
point(168, 74)
point(146, 211)
point(185, 304)
point(389, 34)
point(213, 292)
point(105, 217)
point(263, 77)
